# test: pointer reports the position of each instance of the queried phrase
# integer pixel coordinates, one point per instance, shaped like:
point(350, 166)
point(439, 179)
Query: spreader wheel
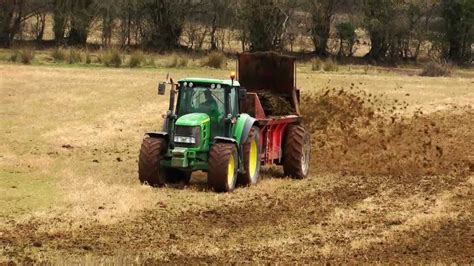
point(251, 150)
point(296, 152)
point(149, 169)
point(223, 164)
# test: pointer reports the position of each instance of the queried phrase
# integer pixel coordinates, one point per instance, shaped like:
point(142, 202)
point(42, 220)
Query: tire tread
point(293, 151)
point(149, 169)
point(219, 156)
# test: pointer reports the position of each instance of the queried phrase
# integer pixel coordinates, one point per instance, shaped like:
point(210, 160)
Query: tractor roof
point(210, 81)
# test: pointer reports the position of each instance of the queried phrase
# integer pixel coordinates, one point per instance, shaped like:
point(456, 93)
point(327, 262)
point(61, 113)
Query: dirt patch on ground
point(352, 219)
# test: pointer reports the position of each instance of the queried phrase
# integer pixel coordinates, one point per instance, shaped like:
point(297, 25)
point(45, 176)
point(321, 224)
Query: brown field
point(392, 174)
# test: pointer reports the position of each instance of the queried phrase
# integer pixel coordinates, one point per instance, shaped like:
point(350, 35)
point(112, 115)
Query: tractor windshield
point(204, 100)
point(201, 100)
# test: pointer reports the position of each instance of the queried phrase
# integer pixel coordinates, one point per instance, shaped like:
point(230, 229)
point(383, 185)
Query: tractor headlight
point(187, 140)
point(187, 136)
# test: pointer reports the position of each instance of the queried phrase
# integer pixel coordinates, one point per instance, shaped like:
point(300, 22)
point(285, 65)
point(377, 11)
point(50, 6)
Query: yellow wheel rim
point(230, 171)
point(253, 157)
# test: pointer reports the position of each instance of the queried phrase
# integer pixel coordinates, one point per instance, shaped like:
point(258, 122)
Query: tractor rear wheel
point(149, 170)
point(251, 150)
point(223, 164)
point(296, 152)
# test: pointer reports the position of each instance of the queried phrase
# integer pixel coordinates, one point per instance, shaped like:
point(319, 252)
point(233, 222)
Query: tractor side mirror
point(242, 94)
point(161, 88)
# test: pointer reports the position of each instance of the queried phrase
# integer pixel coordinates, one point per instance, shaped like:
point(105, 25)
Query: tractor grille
point(186, 131)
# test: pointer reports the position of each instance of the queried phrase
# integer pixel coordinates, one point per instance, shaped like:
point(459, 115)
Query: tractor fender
point(158, 135)
point(242, 128)
point(225, 140)
point(249, 123)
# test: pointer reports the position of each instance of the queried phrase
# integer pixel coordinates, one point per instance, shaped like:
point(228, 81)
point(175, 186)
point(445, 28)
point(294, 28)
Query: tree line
point(395, 29)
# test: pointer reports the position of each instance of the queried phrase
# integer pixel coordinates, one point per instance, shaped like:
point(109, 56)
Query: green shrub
point(111, 58)
point(27, 56)
point(24, 56)
point(74, 56)
point(88, 57)
point(100, 58)
point(366, 69)
point(330, 66)
point(177, 61)
point(435, 69)
point(316, 64)
point(15, 57)
point(183, 62)
point(173, 62)
point(136, 59)
point(58, 55)
point(150, 61)
point(214, 60)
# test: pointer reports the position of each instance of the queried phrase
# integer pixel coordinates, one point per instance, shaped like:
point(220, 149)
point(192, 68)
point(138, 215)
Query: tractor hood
point(194, 119)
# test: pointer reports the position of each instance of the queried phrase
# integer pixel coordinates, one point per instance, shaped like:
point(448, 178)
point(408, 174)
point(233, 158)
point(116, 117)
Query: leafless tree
point(13, 13)
point(322, 14)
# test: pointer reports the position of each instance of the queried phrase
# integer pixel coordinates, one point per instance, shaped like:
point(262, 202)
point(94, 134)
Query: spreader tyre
point(149, 169)
point(223, 164)
point(296, 152)
point(251, 150)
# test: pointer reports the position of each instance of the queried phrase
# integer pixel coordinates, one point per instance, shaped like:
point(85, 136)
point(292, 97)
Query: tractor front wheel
point(251, 150)
point(296, 152)
point(149, 170)
point(223, 164)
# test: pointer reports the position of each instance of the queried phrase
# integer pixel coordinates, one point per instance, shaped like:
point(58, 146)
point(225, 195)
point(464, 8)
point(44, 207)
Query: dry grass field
point(378, 192)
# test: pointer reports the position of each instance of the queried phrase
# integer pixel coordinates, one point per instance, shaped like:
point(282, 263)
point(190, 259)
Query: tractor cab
point(207, 101)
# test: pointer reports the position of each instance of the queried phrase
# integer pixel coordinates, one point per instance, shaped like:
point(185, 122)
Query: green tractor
point(220, 127)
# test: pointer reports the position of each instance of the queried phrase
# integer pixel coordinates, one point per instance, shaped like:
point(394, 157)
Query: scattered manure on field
point(358, 133)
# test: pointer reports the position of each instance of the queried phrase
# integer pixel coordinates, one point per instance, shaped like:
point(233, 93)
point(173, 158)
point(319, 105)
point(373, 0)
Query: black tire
point(177, 176)
point(149, 170)
point(252, 174)
point(220, 176)
point(296, 152)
